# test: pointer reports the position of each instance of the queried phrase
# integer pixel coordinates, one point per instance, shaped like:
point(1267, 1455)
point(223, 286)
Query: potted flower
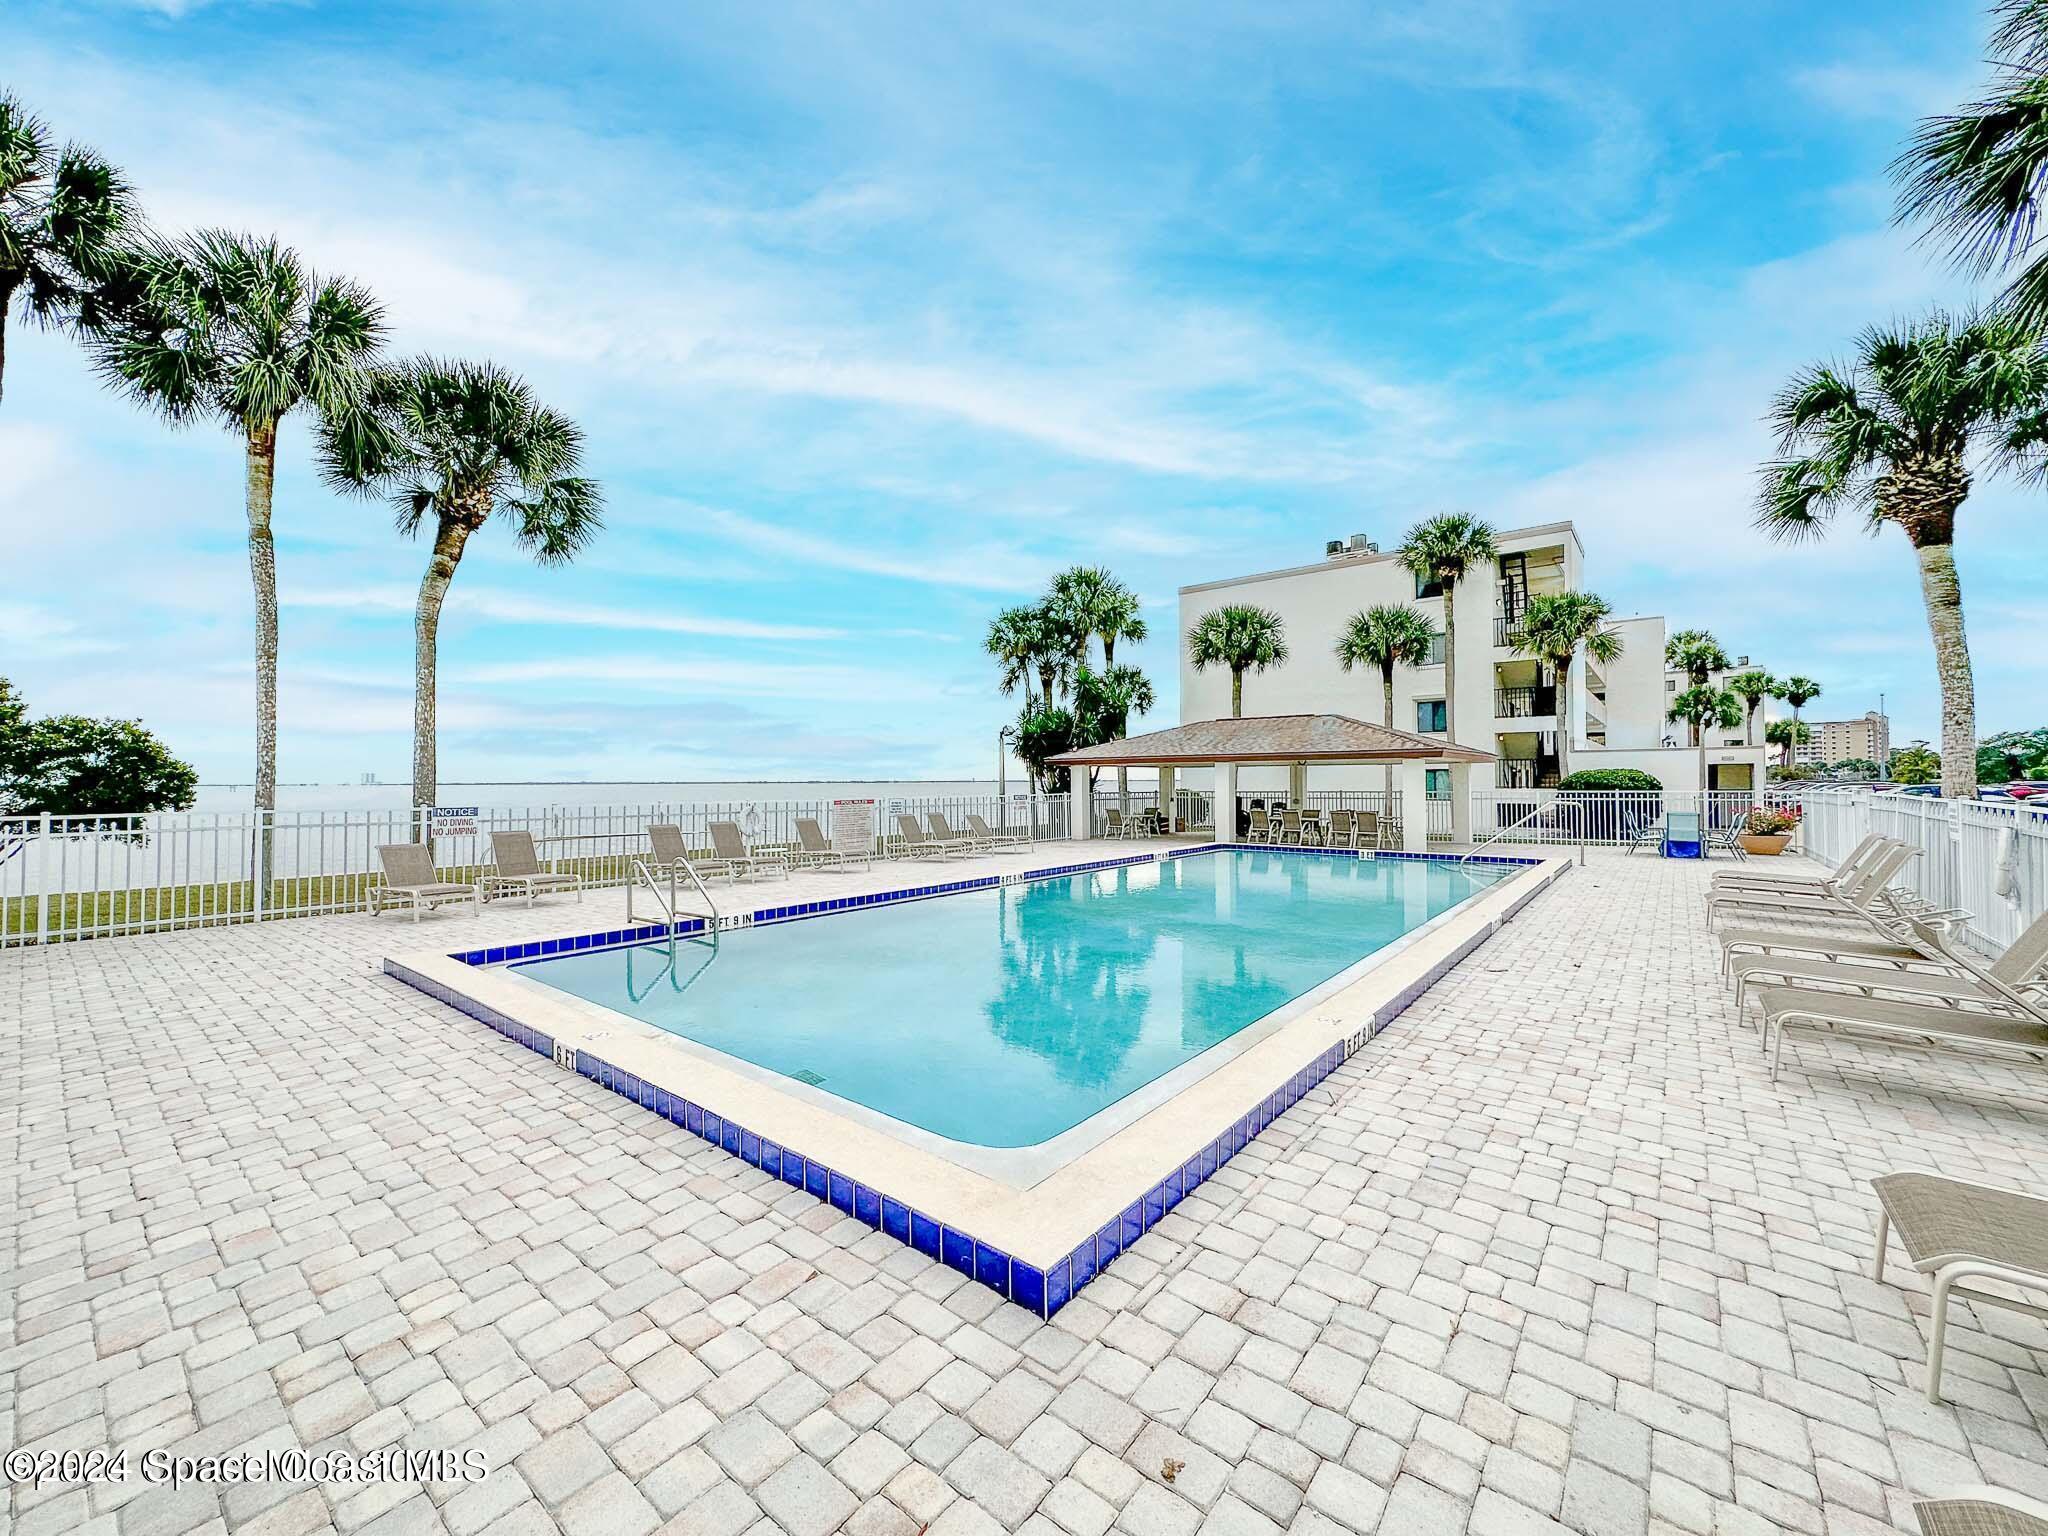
point(1766, 830)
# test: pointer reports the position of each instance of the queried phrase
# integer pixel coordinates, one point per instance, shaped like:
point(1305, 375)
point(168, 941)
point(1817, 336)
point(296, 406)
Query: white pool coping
point(1033, 1203)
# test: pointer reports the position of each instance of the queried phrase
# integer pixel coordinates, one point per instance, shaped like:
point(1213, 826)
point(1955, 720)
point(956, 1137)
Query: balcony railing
point(1526, 772)
point(1507, 629)
point(1525, 703)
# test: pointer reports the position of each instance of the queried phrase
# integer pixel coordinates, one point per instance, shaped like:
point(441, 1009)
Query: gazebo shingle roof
point(1270, 738)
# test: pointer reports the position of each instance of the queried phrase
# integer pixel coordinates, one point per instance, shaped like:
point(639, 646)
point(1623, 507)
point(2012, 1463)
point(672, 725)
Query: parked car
point(2028, 789)
point(1914, 789)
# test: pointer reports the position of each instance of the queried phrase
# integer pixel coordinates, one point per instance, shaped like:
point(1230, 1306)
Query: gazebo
point(1296, 740)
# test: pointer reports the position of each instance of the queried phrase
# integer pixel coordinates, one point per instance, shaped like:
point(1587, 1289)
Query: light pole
point(1003, 736)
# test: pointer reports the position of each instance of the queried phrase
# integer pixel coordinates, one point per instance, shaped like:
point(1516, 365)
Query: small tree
point(1798, 692)
point(1785, 735)
point(1242, 638)
point(1917, 764)
point(70, 765)
point(1752, 687)
point(2013, 755)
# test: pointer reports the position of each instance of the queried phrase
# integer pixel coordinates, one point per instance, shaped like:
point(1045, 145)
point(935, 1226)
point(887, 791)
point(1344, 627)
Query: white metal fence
point(75, 877)
point(1987, 857)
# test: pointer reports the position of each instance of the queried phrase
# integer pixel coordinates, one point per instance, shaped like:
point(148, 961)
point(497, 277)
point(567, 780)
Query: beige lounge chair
point(1982, 1512)
point(1874, 879)
point(409, 880)
point(515, 866)
point(996, 842)
point(2016, 1031)
point(1939, 970)
point(815, 851)
point(942, 832)
point(731, 857)
point(1957, 1229)
point(1832, 882)
point(912, 842)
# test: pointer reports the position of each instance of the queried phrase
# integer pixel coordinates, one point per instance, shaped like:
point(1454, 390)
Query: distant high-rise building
point(1832, 741)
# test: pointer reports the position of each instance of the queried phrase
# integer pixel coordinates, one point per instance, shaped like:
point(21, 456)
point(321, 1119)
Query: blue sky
point(875, 317)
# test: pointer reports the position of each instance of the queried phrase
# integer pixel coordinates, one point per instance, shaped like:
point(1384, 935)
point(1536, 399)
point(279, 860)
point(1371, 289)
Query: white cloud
point(516, 608)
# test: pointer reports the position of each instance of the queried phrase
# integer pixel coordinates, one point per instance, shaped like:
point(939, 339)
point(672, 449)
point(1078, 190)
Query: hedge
point(1610, 778)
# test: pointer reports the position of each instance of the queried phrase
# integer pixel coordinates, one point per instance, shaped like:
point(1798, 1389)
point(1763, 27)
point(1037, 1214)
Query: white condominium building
point(1506, 700)
point(1834, 741)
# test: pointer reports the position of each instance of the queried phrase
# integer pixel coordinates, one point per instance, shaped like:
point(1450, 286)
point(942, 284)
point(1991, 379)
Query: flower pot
point(1765, 843)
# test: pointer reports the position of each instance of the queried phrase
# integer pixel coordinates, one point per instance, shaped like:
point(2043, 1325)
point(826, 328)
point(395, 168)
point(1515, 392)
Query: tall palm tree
point(1752, 687)
point(1093, 603)
point(1798, 692)
point(457, 442)
point(1891, 439)
point(1240, 637)
point(240, 330)
point(1699, 707)
point(1443, 549)
point(63, 217)
point(1976, 175)
point(1556, 626)
point(1054, 651)
point(1697, 654)
point(1383, 637)
point(1013, 641)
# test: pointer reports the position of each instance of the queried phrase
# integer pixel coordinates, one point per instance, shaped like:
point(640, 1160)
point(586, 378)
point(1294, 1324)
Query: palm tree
point(1891, 438)
point(1798, 692)
point(1976, 175)
point(1386, 636)
point(459, 441)
point(1442, 549)
point(1092, 602)
point(1053, 651)
point(1786, 735)
point(238, 329)
point(1013, 641)
point(1752, 687)
point(1556, 626)
point(63, 216)
point(1699, 707)
point(1239, 636)
point(1697, 654)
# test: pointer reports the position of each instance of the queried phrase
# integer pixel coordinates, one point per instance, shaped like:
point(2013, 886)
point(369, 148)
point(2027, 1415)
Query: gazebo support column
point(1461, 804)
point(1166, 795)
point(1226, 802)
point(1413, 782)
point(1080, 814)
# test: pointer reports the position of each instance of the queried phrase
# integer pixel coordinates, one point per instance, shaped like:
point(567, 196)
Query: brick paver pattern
point(1551, 1253)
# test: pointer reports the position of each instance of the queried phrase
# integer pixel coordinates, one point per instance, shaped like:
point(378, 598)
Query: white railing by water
point(79, 877)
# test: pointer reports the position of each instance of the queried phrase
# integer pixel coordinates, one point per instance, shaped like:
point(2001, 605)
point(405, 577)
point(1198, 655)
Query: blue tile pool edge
point(1041, 1291)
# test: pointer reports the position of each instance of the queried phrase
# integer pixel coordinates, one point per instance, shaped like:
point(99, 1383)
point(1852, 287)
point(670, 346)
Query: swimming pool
point(1007, 1016)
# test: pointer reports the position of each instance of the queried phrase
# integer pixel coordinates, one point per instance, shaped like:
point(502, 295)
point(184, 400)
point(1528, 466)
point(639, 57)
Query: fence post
point(258, 874)
point(43, 881)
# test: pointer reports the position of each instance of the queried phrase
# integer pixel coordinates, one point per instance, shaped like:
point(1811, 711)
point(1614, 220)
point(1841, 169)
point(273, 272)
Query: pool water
point(1004, 1017)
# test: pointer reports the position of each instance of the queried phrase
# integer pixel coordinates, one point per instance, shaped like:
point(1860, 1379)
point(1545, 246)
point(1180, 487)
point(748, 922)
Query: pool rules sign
point(853, 827)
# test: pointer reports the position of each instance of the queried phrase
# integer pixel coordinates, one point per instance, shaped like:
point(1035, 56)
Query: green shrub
point(1610, 778)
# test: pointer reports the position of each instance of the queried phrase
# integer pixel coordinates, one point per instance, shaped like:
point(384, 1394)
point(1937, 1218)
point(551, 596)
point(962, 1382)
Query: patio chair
point(1647, 834)
point(914, 843)
point(815, 851)
point(1374, 831)
point(1113, 824)
point(731, 857)
point(996, 842)
point(1827, 880)
point(942, 832)
point(409, 880)
point(1982, 1512)
point(2009, 1030)
point(1958, 1229)
point(665, 840)
point(515, 866)
point(1940, 970)
point(1258, 829)
point(1343, 829)
point(1724, 838)
point(1290, 828)
point(1875, 877)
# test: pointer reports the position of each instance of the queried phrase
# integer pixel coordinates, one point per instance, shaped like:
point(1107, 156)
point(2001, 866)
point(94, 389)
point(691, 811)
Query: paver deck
point(1551, 1253)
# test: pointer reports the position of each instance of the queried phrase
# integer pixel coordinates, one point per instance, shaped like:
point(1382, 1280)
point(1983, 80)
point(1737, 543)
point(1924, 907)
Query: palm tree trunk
point(1237, 693)
point(1450, 662)
point(1387, 707)
point(6, 303)
point(426, 625)
point(260, 472)
point(1942, 592)
point(1564, 709)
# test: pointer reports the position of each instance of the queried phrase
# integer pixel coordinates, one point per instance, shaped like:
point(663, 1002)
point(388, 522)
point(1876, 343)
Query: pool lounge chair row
point(1844, 954)
point(410, 882)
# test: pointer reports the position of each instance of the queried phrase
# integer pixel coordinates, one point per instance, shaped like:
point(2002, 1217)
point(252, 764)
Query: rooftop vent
point(1361, 545)
point(1334, 548)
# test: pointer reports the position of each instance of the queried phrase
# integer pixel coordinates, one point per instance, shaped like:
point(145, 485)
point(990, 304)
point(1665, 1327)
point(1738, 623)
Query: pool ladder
point(643, 875)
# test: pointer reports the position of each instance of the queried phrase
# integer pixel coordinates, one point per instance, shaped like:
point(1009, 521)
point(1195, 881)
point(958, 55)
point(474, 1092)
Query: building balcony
point(1525, 772)
point(1530, 703)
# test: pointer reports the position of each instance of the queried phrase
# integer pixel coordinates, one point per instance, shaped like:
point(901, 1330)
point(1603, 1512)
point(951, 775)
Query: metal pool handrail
point(1579, 815)
point(642, 874)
